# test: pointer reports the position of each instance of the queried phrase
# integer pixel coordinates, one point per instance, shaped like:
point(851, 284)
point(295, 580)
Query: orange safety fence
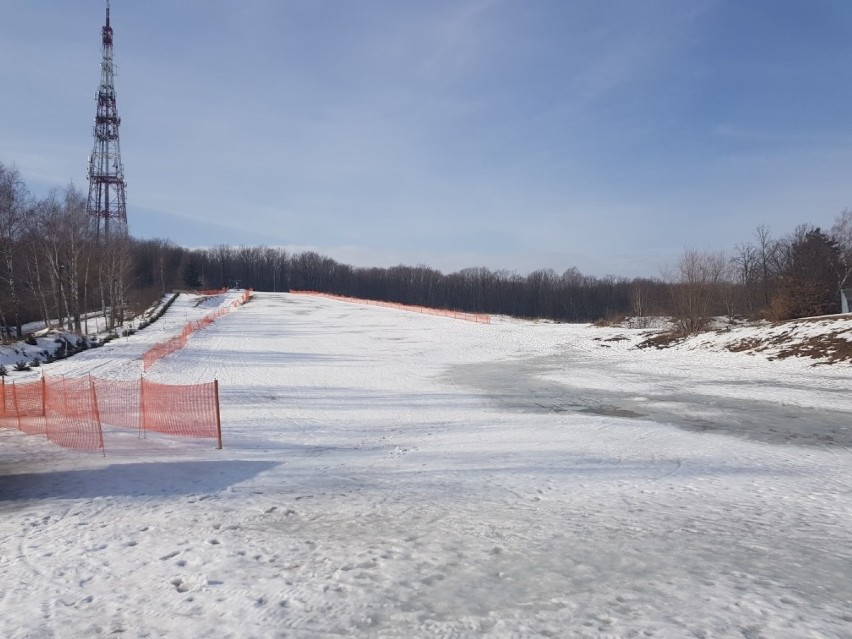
point(8, 413)
point(188, 411)
point(71, 411)
point(119, 402)
point(160, 350)
point(479, 318)
point(28, 399)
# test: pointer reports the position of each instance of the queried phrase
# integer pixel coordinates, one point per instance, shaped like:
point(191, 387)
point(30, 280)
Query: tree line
point(797, 275)
point(52, 268)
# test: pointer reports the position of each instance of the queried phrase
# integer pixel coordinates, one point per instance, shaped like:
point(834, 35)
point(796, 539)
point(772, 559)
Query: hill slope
point(391, 474)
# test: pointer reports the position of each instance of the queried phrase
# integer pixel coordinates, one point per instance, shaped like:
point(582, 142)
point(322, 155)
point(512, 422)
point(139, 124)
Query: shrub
point(31, 340)
point(36, 362)
point(22, 366)
point(3, 371)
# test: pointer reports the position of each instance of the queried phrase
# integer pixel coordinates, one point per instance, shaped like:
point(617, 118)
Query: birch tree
point(14, 204)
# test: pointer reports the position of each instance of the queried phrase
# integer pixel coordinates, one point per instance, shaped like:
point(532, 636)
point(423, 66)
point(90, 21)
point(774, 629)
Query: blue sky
point(607, 136)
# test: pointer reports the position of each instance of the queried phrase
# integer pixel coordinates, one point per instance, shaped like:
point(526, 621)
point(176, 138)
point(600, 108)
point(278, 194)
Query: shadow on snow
point(154, 479)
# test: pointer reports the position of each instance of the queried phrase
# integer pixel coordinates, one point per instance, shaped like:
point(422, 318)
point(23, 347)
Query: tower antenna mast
point(107, 200)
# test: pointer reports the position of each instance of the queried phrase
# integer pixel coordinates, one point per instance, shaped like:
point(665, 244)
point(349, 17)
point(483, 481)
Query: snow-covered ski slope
point(388, 474)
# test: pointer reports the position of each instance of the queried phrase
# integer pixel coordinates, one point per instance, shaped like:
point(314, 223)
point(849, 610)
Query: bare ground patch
point(662, 340)
point(824, 340)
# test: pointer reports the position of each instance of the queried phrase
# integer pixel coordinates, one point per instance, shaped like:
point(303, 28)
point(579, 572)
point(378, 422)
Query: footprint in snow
point(186, 583)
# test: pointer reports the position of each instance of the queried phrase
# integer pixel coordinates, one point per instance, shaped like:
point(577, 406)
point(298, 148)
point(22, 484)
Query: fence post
point(43, 398)
point(141, 406)
point(17, 410)
point(65, 411)
point(218, 416)
point(97, 413)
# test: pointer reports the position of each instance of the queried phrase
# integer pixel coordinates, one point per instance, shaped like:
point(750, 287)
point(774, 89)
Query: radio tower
point(106, 202)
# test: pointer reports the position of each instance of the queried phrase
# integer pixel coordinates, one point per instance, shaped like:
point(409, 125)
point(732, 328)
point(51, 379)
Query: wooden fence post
point(17, 409)
point(218, 416)
point(141, 406)
point(97, 413)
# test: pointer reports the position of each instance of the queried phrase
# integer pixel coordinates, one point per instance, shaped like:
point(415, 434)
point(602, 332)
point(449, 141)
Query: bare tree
point(639, 306)
point(841, 232)
point(14, 204)
point(36, 274)
point(114, 258)
point(694, 288)
point(746, 267)
point(51, 233)
point(64, 250)
point(768, 251)
point(78, 243)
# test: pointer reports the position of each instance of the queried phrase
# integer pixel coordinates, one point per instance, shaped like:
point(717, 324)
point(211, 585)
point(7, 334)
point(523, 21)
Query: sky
point(605, 136)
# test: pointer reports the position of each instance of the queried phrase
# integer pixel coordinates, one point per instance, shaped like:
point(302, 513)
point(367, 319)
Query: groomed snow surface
point(387, 474)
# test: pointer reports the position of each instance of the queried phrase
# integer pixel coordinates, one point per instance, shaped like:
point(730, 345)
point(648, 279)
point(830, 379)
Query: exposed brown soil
point(750, 344)
point(662, 340)
point(831, 347)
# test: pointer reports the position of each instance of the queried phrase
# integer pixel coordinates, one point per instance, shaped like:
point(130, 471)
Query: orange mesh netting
point(72, 413)
point(119, 401)
point(190, 411)
point(29, 405)
point(159, 351)
point(8, 414)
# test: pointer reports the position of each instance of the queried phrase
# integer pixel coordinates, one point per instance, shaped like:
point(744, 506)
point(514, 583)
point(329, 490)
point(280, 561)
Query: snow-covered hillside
point(388, 474)
point(823, 340)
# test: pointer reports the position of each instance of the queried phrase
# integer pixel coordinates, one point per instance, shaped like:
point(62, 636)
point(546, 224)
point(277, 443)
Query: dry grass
point(663, 340)
point(830, 347)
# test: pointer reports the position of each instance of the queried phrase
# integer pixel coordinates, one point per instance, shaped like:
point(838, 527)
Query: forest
point(53, 268)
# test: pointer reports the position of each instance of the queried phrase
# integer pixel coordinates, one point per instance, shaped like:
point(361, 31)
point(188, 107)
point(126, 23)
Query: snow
point(389, 474)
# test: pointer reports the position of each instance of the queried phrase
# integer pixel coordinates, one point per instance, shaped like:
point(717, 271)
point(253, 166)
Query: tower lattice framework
point(106, 203)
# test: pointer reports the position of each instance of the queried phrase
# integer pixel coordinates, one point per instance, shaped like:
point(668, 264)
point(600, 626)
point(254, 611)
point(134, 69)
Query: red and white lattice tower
point(107, 187)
